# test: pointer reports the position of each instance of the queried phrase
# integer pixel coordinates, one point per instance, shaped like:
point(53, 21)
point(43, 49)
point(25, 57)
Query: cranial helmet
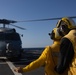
point(65, 25)
point(54, 35)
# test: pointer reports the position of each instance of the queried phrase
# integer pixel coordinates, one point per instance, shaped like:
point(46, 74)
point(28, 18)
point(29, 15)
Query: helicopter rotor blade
point(8, 22)
point(18, 27)
point(45, 19)
point(5, 21)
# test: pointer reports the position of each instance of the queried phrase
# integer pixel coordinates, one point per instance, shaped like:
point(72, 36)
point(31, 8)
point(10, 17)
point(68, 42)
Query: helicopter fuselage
point(10, 43)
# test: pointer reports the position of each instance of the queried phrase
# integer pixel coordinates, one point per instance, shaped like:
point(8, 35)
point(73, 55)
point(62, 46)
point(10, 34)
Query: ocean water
point(32, 52)
point(34, 48)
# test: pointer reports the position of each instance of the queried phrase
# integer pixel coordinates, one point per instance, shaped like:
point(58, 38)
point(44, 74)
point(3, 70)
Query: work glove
point(18, 69)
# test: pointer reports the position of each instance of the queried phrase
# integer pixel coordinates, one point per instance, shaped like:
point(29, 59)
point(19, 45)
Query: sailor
point(67, 53)
point(48, 57)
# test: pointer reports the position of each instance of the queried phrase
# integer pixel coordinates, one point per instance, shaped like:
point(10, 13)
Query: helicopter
point(10, 41)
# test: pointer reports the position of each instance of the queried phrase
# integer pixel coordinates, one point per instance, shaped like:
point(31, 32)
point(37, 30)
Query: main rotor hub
point(4, 21)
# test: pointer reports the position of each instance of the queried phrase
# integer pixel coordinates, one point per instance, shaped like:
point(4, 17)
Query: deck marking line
point(12, 67)
point(2, 63)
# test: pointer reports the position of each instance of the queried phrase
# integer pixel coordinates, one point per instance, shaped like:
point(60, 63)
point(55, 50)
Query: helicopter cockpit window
point(12, 36)
point(9, 36)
